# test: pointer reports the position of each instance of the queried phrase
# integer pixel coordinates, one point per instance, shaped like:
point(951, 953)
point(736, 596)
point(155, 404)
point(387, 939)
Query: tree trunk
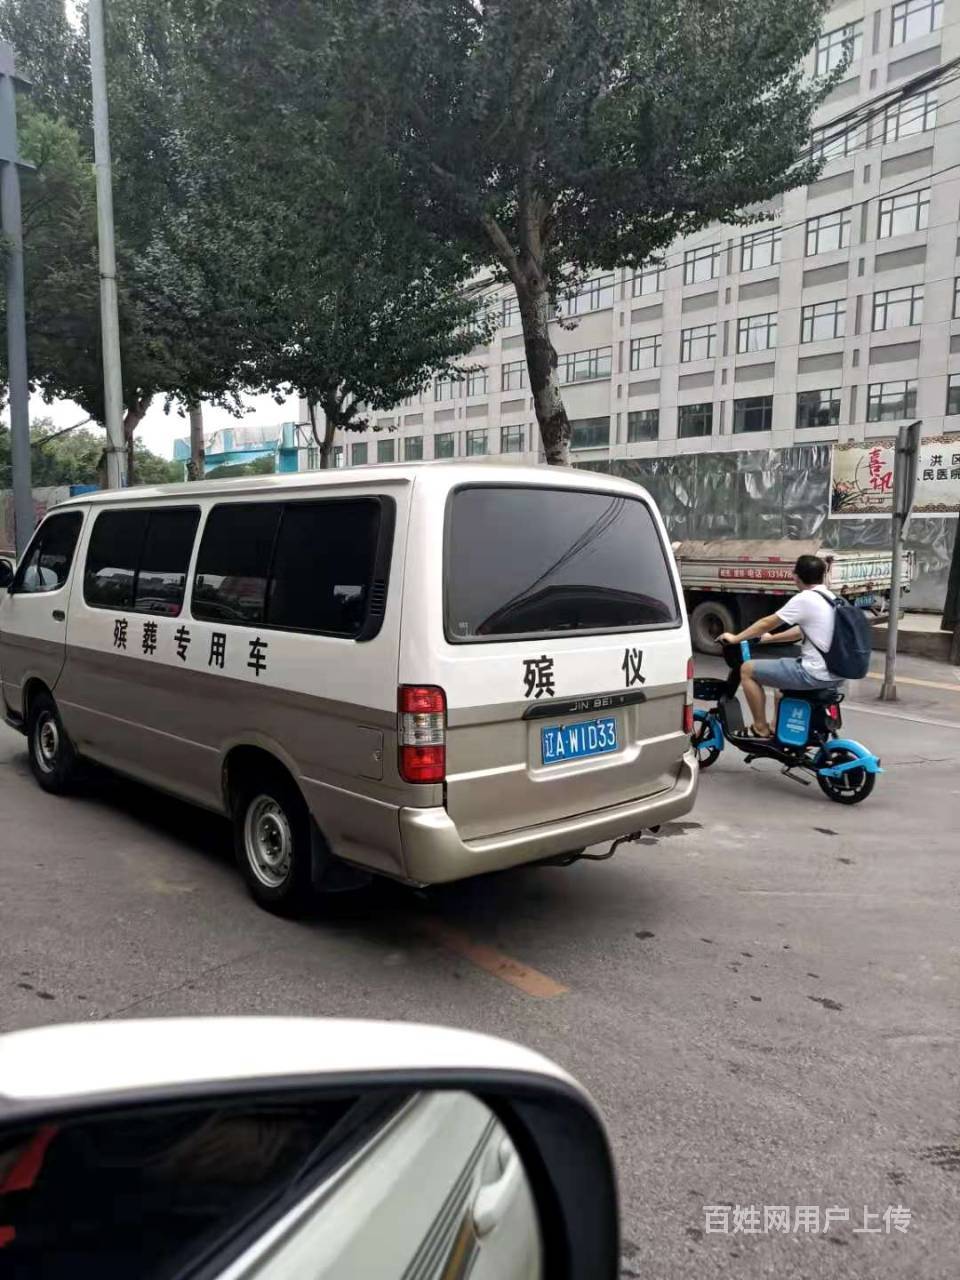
point(132, 418)
point(542, 368)
point(324, 443)
point(197, 464)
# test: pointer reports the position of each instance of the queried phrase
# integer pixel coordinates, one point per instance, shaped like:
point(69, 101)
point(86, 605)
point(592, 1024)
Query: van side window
point(162, 572)
point(324, 566)
point(296, 566)
point(46, 565)
point(233, 562)
point(138, 559)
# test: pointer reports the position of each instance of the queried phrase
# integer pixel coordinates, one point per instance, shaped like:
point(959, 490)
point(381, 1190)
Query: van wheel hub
point(268, 841)
point(47, 742)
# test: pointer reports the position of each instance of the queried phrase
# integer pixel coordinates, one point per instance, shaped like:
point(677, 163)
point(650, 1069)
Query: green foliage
point(76, 457)
point(259, 467)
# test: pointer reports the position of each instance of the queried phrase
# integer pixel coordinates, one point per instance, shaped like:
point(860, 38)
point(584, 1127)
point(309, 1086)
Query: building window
point(513, 375)
point(511, 439)
point(509, 312)
point(953, 394)
point(476, 442)
point(444, 445)
point(842, 44)
point(446, 387)
point(649, 280)
point(830, 142)
point(900, 215)
point(701, 264)
point(643, 424)
point(413, 449)
point(339, 459)
point(386, 450)
point(757, 333)
point(822, 320)
point(818, 408)
point(694, 420)
point(914, 18)
point(760, 249)
point(956, 298)
point(313, 458)
point(596, 295)
point(358, 454)
point(754, 413)
point(589, 433)
point(829, 231)
point(897, 308)
point(912, 115)
point(582, 366)
point(645, 352)
point(888, 401)
point(477, 382)
point(698, 343)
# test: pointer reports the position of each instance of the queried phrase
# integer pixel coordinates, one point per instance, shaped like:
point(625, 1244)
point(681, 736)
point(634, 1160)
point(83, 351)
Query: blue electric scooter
point(807, 731)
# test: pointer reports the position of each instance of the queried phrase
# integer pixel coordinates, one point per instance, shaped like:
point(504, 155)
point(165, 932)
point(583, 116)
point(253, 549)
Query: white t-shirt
point(809, 611)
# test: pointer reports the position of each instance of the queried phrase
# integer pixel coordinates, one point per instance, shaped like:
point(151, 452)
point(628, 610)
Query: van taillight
point(422, 731)
point(688, 702)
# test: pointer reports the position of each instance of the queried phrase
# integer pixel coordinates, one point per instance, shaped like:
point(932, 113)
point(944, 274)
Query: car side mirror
point(6, 574)
point(285, 1147)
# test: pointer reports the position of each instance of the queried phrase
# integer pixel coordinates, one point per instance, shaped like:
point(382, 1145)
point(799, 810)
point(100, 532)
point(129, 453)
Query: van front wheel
point(271, 831)
point(53, 760)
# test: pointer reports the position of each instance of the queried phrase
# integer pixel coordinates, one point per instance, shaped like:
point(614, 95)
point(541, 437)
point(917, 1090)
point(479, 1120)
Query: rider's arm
point(755, 629)
point(790, 636)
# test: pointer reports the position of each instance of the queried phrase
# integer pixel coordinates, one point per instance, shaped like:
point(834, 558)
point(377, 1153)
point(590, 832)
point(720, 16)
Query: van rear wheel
point(271, 834)
point(53, 760)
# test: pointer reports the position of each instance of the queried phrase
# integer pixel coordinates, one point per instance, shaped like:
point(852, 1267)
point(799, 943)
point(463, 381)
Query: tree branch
point(503, 247)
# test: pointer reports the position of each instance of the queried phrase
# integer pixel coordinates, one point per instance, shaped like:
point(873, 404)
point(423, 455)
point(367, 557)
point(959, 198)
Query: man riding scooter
point(810, 617)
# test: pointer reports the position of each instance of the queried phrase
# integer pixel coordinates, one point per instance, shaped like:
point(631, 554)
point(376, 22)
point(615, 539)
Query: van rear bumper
point(433, 851)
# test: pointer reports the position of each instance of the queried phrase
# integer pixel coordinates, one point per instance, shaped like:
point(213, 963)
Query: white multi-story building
point(836, 319)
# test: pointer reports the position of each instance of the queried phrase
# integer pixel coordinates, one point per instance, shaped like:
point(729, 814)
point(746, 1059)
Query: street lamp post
point(109, 320)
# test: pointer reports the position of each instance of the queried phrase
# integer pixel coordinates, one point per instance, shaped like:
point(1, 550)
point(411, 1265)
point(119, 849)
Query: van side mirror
point(296, 1147)
point(6, 574)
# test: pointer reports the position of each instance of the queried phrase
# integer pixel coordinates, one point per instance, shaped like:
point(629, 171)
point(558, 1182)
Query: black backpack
point(848, 657)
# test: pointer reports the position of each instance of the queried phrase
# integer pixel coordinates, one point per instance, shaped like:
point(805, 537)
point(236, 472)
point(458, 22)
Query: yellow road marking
point(926, 684)
point(530, 981)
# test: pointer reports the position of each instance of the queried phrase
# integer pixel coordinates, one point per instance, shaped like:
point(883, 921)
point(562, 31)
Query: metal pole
point(888, 690)
point(109, 320)
point(197, 457)
point(23, 515)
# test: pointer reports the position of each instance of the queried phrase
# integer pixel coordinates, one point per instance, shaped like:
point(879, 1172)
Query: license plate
point(574, 741)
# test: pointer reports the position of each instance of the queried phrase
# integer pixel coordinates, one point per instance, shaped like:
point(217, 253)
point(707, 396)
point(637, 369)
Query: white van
point(426, 671)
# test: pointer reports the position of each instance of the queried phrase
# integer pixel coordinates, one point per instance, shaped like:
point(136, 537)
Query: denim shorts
point(788, 673)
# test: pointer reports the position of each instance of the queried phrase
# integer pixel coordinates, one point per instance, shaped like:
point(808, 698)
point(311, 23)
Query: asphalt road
point(764, 1000)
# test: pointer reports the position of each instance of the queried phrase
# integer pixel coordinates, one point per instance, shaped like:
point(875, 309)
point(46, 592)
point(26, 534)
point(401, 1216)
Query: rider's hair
point(811, 570)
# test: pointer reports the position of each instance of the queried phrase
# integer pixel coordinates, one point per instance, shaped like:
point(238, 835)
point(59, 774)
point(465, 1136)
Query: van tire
point(53, 757)
point(708, 620)
point(271, 840)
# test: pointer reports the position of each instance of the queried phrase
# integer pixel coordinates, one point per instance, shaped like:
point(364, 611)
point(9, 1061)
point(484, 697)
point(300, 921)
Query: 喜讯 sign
point(863, 478)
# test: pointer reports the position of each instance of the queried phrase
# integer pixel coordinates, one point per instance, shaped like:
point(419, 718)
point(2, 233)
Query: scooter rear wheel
point(706, 756)
point(847, 788)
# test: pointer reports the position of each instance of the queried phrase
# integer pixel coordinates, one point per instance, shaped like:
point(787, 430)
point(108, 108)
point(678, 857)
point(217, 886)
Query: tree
point(76, 456)
point(556, 137)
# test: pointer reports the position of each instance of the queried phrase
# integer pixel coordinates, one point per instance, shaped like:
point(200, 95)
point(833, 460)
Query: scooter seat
point(818, 697)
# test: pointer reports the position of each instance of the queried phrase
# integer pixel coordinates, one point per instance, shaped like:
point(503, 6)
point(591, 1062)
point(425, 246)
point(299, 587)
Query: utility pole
point(197, 464)
point(10, 163)
point(109, 319)
point(904, 487)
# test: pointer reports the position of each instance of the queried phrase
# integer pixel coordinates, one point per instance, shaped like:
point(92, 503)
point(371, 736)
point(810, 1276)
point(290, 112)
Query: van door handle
point(495, 1199)
point(59, 615)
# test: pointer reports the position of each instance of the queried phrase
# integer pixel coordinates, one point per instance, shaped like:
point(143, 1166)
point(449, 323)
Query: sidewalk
point(918, 635)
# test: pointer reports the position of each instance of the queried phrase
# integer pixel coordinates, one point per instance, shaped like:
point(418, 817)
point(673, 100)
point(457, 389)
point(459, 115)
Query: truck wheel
point(708, 620)
point(53, 760)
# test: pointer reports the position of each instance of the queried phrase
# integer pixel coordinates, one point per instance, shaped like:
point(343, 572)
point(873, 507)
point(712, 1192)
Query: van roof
point(445, 475)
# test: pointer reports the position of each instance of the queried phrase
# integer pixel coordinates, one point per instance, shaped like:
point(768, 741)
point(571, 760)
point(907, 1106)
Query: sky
point(158, 430)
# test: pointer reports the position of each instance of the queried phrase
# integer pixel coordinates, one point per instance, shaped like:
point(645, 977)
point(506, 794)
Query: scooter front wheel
point(846, 788)
point(703, 731)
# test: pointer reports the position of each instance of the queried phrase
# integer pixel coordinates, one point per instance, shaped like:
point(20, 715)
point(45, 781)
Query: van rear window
point(530, 561)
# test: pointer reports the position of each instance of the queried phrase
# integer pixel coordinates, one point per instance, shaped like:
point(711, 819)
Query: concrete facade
point(861, 298)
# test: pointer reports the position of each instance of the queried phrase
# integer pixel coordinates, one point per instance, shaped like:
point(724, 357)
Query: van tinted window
point(301, 566)
point(234, 561)
point(46, 565)
point(162, 572)
point(528, 561)
point(112, 558)
point(324, 566)
point(138, 559)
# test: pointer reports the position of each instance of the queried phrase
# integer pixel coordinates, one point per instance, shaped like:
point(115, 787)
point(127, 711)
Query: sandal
point(753, 732)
